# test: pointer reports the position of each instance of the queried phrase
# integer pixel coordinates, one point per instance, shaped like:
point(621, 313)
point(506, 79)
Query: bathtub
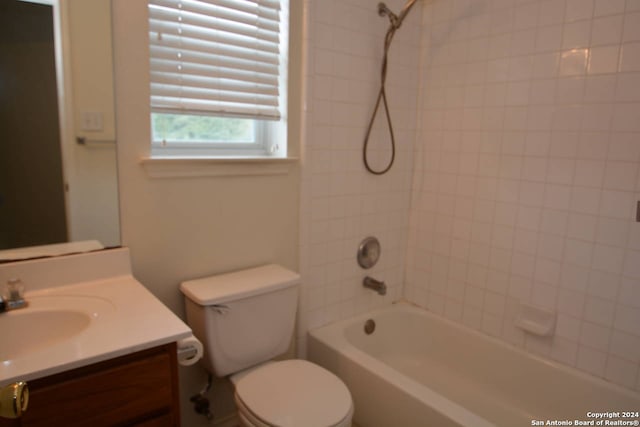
point(418, 369)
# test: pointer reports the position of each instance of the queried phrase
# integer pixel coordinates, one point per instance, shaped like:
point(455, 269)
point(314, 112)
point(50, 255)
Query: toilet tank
point(242, 318)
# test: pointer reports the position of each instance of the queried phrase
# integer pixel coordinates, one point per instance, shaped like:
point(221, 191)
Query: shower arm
point(405, 10)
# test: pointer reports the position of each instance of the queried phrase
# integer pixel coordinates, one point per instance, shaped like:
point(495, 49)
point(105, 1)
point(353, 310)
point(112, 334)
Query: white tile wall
point(341, 203)
point(516, 178)
point(530, 149)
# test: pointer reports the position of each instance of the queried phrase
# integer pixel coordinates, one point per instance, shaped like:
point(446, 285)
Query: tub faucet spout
point(376, 285)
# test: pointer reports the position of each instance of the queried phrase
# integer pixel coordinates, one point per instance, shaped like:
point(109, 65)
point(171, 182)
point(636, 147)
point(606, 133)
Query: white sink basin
point(48, 321)
point(83, 309)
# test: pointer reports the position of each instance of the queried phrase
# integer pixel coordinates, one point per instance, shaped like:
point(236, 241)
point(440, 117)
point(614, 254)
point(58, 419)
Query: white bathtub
point(418, 369)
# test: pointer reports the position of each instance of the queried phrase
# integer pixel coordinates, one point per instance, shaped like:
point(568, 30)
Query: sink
point(48, 321)
point(82, 309)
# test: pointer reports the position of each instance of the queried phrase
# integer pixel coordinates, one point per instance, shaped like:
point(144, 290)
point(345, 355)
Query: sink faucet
point(12, 298)
point(376, 285)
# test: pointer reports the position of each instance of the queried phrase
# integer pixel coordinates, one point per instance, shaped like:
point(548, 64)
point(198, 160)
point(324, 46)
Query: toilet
point(246, 318)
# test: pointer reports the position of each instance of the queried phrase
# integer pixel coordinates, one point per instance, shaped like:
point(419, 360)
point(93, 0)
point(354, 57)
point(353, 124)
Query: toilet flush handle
point(220, 308)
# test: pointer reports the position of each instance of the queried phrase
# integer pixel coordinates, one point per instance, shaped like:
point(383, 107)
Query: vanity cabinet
point(140, 389)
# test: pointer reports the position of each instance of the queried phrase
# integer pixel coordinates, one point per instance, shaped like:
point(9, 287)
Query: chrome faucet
point(12, 298)
point(376, 285)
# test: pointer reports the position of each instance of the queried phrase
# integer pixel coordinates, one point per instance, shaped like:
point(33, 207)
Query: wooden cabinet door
point(138, 389)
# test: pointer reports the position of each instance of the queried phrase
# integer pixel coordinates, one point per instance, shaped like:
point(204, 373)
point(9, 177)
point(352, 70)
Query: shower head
point(396, 20)
point(383, 10)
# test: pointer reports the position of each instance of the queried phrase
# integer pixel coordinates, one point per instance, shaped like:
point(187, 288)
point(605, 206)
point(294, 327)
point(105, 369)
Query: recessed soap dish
point(536, 320)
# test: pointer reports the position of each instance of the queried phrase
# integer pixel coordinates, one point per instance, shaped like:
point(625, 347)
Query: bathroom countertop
point(128, 318)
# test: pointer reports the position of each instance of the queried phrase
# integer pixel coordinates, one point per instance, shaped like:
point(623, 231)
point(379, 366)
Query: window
point(218, 77)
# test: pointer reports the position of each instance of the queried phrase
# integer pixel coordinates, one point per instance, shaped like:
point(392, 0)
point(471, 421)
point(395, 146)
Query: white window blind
point(215, 57)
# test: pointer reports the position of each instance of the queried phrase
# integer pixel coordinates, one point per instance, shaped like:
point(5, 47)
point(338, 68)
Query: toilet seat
point(245, 416)
point(293, 393)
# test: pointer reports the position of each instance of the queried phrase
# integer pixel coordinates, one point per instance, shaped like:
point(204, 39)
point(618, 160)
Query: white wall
point(184, 228)
point(341, 202)
point(528, 175)
point(90, 169)
point(89, 26)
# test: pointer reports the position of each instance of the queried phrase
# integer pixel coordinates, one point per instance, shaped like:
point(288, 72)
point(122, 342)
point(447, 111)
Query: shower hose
point(382, 98)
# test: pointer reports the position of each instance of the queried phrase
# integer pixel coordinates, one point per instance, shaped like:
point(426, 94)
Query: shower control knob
point(368, 252)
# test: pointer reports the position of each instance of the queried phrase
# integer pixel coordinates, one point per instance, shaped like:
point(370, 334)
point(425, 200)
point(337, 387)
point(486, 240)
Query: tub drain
point(369, 326)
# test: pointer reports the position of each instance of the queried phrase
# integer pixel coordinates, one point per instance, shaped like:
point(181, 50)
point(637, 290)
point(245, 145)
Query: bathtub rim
point(334, 335)
point(454, 411)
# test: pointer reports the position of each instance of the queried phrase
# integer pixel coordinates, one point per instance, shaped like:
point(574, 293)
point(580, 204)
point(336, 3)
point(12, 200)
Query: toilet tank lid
point(238, 284)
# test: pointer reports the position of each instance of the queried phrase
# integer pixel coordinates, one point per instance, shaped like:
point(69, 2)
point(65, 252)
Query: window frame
point(270, 135)
point(262, 146)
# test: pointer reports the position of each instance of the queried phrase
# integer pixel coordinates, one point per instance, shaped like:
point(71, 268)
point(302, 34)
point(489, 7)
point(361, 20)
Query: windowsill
point(167, 167)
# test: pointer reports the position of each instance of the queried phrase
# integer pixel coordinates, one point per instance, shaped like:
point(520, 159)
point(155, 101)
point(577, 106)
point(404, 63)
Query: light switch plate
point(92, 121)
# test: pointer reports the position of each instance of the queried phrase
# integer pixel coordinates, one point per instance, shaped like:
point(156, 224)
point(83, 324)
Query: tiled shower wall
point(521, 186)
point(527, 175)
point(342, 203)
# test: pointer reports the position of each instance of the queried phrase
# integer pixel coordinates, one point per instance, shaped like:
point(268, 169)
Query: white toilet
point(246, 318)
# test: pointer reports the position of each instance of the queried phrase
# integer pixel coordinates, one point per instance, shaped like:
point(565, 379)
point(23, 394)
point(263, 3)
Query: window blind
point(219, 57)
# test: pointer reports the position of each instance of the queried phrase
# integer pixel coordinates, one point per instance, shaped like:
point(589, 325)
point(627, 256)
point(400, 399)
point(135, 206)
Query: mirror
point(58, 173)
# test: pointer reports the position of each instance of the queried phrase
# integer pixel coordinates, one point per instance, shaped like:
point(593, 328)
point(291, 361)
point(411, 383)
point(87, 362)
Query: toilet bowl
point(246, 318)
point(292, 393)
